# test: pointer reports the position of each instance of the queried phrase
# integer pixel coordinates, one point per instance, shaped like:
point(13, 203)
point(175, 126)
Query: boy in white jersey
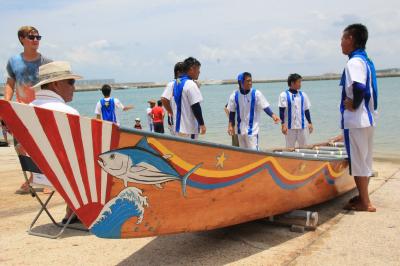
point(358, 105)
point(185, 102)
point(294, 111)
point(166, 96)
point(247, 104)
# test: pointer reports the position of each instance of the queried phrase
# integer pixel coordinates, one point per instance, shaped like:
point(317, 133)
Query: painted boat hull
point(129, 183)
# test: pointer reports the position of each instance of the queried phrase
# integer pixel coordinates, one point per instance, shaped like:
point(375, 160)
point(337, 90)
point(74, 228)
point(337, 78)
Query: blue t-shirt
point(25, 74)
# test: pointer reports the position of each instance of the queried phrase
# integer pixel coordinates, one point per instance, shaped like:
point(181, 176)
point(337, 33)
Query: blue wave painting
point(116, 212)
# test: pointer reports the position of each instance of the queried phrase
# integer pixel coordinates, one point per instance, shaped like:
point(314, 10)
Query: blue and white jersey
point(113, 110)
point(184, 119)
point(295, 106)
point(248, 109)
point(168, 91)
point(357, 70)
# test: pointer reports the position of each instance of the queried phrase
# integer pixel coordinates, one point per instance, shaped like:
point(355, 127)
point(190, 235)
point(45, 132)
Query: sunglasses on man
point(32, 37)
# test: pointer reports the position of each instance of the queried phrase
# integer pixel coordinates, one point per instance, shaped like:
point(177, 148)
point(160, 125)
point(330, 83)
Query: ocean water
point(324, 96)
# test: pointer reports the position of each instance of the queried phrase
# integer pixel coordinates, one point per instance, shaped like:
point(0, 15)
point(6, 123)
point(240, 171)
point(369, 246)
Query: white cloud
point(136, 40)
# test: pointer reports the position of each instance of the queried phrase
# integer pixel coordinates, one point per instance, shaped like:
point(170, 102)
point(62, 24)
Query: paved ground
point(343, 238)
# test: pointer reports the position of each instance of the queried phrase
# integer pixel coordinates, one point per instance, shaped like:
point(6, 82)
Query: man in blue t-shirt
point(105, 108)
point(22, 73)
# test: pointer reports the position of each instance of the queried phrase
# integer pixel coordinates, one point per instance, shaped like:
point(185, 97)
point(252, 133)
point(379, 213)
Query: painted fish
point(142, 164)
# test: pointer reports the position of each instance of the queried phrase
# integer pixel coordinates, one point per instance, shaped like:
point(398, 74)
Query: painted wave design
point(129, 203)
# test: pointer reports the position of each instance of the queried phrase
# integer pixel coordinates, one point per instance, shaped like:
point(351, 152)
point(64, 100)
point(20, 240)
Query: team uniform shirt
point(50, 100)
point(25, 74)
point(295, 106)
point(167, 94)
point(185, 121)
point(356, 70)
point(168, 91)
point(248, 109)
point(117, 104)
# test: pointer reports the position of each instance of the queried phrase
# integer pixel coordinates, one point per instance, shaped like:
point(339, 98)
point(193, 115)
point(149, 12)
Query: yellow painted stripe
point(228, 173)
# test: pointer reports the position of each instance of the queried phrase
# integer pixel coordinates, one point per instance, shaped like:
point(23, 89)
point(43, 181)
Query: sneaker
point(22, 191)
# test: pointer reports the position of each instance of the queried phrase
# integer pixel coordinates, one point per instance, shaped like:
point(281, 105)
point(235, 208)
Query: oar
point(322, 151)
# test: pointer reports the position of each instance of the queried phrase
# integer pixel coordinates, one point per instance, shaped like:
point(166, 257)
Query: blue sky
point(142, 40)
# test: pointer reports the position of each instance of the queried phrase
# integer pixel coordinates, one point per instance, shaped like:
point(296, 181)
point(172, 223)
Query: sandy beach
point(343, 237)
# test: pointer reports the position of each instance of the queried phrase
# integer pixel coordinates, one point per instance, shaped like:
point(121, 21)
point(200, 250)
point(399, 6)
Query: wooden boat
point(125, 183)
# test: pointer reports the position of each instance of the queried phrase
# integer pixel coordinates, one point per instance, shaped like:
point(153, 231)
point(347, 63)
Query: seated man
point(57, 88)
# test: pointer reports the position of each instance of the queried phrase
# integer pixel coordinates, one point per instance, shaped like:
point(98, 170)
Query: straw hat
point(55, 71)
point(152, 101)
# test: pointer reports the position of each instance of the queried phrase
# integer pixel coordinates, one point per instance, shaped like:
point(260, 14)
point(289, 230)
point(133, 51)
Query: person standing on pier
point(294, 112)
point(359, 102)
point(22, 74)
point(158, 117)
point(106, 107)
point(247, 104)
point(186, 99)
point(167, 96)
point(151, 103)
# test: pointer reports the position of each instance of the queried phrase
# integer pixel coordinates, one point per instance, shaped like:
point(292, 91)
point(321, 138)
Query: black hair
point(178, 69)
point(246, 74)
point(293, 78)
point(359, 32)
point(189, 62)
point(159, 103)
point(106, 90)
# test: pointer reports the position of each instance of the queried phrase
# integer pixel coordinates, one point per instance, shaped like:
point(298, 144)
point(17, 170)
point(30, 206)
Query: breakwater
point(144, 85)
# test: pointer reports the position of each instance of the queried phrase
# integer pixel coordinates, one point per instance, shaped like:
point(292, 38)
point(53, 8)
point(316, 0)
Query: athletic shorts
point(249, 142)
point(296, 135)
point(359, 149)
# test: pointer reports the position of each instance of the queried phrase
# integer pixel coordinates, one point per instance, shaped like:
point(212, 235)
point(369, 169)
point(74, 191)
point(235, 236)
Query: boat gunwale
point(225, 146)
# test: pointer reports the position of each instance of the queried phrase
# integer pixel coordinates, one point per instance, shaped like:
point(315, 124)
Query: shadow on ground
point(70, 231)
point(226, 245)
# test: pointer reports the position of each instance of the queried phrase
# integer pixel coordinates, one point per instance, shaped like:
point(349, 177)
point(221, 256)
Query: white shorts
point(359, 149)
point(249, 142)
point(296, 135)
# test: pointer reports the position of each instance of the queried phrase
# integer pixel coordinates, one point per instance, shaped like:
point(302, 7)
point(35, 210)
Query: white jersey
point(295, 106)
point(117, 104)
point(50, 100)
point(364, 116)
point(185, 121)
point(168, 91)
point(248, 109)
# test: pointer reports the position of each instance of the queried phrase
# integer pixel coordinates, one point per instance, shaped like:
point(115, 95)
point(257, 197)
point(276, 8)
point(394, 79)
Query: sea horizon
point(324, 96)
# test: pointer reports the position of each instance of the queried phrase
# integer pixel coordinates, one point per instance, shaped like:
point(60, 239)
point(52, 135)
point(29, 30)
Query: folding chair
point(28, 165)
